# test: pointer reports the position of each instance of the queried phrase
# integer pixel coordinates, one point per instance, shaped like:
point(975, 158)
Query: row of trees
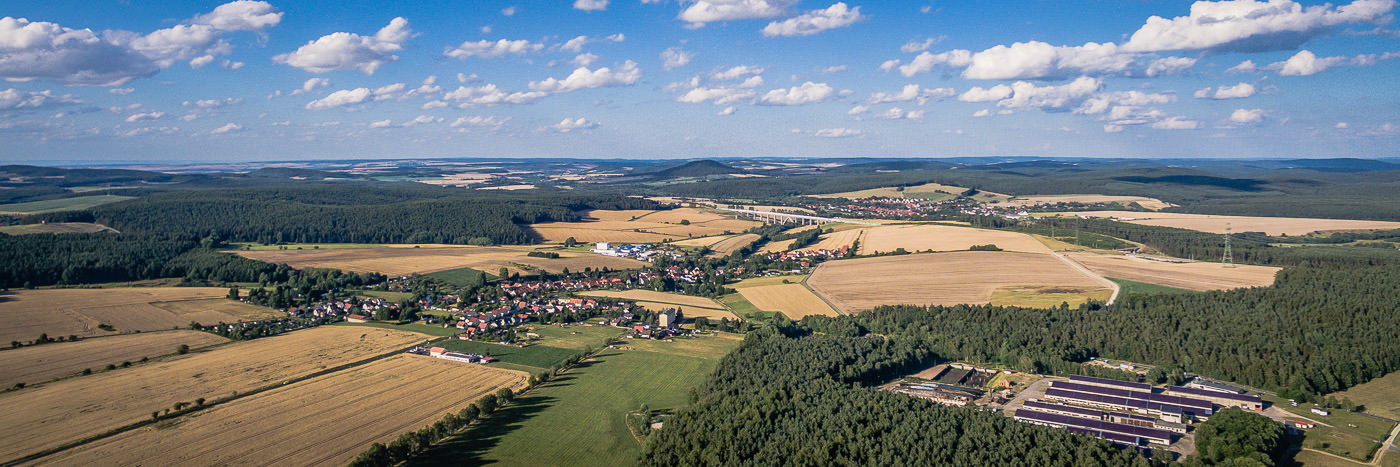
point(1318, 330)
point(343, 214)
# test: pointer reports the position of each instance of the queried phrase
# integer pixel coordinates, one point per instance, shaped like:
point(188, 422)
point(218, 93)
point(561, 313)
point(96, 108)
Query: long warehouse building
point(1202, 406)
point(1170, 412)
point(1223, 399)
point(1150, 435)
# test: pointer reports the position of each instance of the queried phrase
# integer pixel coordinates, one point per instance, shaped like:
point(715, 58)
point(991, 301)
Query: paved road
point(1035, 391)
point(1081, 268)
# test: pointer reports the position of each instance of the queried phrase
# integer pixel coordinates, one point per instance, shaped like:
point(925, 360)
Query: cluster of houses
point(807, 258)
point(519, 311)
point(668, 324)
point(337, 308)
point(639, 251)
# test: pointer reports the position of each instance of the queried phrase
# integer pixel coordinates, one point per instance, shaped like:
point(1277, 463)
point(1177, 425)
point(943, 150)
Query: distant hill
point(868, 167)
point(701, 168)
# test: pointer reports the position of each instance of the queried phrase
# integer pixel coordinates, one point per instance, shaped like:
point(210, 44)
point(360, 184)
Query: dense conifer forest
point(789, 398)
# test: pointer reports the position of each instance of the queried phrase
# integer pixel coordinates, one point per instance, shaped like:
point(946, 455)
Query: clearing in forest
point(43, 417)
point(57, 227)
point(79, 312)
point(929, 191)
point(920, 237)
point(638, 226)
point(578, 419)
point(327, 420)
point(1380, 396)
point(63, 204)
point(1274, 226)
point(1190, 275)
point(40, 363)
point(972, 277)
point(402, 260)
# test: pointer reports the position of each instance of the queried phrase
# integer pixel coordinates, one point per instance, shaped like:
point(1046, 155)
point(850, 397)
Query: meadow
point(793, 299)
point(1380, 396)
point(80, 312)
point(56, 228)
point(40, 363)
point(951, 278)
point(64, 204)
point(43, 417)
point(577, 419)
point(537, 356)
point(327, 420)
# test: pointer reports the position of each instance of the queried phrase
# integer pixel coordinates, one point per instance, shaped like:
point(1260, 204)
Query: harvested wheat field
point(948, 279)
point(1036, 200)
point(63, 312)
point(641, 226)
point(653, 296)
point(689, 312)
point(784, 294)
point(1216, 224)
point(433, 258)
point(57, 227)
point(37, 364)
point(702, 241)
point(1199, 276)
point(44, 417)
point(733, 244)
point(944, 238)
point(323, 421)
point(832, 241)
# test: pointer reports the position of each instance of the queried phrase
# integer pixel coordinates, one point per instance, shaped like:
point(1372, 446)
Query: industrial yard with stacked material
point(1137, 414)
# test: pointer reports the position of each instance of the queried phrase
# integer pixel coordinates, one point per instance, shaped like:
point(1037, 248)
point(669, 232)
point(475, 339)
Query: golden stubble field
point(402, 260)
point(640, 226)
point(1199, 276)
point(63, 312)
point(1216, 224)
point(944, 238)
point(690, 306)
point(40, 363)
point(793, 300)
point(732, 244)
point(323, 421)
point(949, 278)
point(1036, 200)
point(43, 417)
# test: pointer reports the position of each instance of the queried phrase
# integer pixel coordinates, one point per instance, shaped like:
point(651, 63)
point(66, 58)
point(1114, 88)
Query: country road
point(1114, 285)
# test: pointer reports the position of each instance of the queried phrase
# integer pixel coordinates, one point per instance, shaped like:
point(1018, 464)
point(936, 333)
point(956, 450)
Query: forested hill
point(806, 400)
point(1317, 330)
point(338, 213)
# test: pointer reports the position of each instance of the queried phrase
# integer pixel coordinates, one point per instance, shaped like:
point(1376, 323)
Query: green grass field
point(387, 295)
point(574, 337)
point(62, 227)
point(460, 277)
point(741, 306)
point(577, 419)
point(65, 204)
point(1142, 288)
point(1340, 438)
point(538, 356)
point(1341, 442)
point(1380, 396)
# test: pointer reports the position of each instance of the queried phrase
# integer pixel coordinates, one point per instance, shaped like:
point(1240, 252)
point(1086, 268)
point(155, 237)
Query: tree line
point(344, 214)
point(1318, 330)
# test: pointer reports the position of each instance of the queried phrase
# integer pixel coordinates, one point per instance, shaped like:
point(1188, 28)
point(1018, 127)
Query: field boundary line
point(208, 405)
point(819, 296)
point(1074, 264)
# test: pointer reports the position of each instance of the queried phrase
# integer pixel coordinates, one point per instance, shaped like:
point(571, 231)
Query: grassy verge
point(460, 277)
point(1142, 288)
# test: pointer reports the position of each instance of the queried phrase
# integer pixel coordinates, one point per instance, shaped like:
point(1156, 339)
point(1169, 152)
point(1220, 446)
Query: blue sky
point(112, 81)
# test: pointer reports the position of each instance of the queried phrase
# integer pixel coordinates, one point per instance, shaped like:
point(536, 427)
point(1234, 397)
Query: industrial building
point(1118, 433)
point(1223, 399)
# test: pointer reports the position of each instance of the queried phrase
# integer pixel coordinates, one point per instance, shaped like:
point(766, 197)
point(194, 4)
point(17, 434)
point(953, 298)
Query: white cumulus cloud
point(709, 11)
point(838, 15)
point(1238, 91)
point(980, 94)
point(490, 49)
point(805, 93)
point(568, 125)
point(674, 57)
point(1251, 26)
point(1176, 123)
point(911, 92)
point(1247, 116)
point(591, 5)
point(1305, 63)
point(139, 117)
point(227, 128)
point(340, 98)
point(489, 95)
point(584, 78)
point(838, 132)
point(350, 51)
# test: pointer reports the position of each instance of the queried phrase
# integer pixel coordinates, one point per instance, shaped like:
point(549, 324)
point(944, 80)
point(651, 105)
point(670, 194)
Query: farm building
point(1123, 434)
point(940, 393)
point(1302, 424)
point(1321, 411)
point(668, 319)
point(1212, 385)
point(1170, 408)
point(1115, 417)
point(1223, 399)
point(1110, 383)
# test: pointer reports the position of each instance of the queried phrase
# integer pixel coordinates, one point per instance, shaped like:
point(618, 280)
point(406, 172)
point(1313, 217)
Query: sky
point(136, 81)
